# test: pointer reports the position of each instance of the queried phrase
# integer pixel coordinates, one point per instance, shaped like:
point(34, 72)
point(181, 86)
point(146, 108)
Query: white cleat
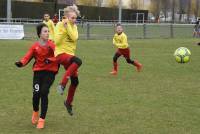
point(60, 89)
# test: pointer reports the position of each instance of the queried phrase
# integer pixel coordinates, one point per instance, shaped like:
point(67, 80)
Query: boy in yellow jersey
point(50, 25)
point(66, 37)
point(120, 41)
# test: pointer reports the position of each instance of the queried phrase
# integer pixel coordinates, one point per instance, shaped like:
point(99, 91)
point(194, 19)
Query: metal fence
point(99, 30)
point(20, 21)
point(141, 31)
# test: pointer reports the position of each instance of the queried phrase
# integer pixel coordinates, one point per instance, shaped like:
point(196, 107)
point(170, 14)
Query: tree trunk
point(173, 11)
point(188, 11)
point(197, 8)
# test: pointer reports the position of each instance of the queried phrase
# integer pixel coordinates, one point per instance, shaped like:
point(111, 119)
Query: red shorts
point(125, 52)
point(65, 60)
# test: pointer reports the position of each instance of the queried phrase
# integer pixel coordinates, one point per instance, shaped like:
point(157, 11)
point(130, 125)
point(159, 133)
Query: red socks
point(71, 93)
point(136, 63)
point(69, 72)
point(115, 66)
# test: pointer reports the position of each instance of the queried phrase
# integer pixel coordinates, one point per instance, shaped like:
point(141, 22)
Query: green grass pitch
point(162, 99)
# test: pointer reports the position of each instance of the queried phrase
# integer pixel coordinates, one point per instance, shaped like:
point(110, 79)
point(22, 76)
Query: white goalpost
point(61, 14)
point(138, 20)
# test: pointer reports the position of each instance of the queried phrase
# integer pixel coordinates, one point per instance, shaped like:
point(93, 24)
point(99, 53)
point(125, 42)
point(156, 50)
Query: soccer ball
point(182, 55)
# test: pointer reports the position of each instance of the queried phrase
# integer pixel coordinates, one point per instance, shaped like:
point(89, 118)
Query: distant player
point(196, 31)
point(120, 41)
point(50, 25)
point(66, 37)
point(55, 19)
point(44, 72)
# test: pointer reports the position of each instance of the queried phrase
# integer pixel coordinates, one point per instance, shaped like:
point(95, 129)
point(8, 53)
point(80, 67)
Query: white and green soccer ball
point(182, 55)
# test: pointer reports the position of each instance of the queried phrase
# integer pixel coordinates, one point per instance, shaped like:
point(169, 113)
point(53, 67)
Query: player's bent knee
point(115, 57)
point(129, 61)
point(74, 81)
point(77, 60)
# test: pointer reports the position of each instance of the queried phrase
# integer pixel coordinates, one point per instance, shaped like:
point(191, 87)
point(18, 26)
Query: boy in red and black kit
point(44, 72)
point(120, 41)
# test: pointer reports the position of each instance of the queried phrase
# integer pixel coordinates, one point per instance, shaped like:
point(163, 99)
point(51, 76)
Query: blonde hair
point(73, 8)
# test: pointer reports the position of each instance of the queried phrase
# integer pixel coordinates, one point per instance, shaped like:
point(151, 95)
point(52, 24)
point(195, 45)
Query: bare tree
point(87, 2)
point(174, 5)
point(194, 9)
point(68, 2)
point(188, 10)
point(197, 7)
point(182, 7)
point(99, 3)
point(112, 3)
point(133, 4)
point(155, 8)
point(165, 7)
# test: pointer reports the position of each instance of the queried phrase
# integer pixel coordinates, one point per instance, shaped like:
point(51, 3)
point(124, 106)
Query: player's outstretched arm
point(18, 64)
point(26, 59)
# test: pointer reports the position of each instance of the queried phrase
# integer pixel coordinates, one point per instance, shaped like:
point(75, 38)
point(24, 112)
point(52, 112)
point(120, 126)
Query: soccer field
point(162, 99)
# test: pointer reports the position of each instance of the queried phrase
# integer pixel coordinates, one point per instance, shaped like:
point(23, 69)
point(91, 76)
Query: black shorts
point(42, 81)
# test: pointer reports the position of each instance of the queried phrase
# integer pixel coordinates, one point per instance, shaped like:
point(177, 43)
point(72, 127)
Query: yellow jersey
point(120, 41)
point(65, 38)
point(51, 27)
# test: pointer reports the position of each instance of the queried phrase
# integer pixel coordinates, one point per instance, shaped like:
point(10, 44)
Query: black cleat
point(69, 108)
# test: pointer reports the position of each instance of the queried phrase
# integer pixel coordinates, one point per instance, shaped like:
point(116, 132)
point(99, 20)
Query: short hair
point(46, 14)
point(118, 24)
point(39, 28)
point(73, 8)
